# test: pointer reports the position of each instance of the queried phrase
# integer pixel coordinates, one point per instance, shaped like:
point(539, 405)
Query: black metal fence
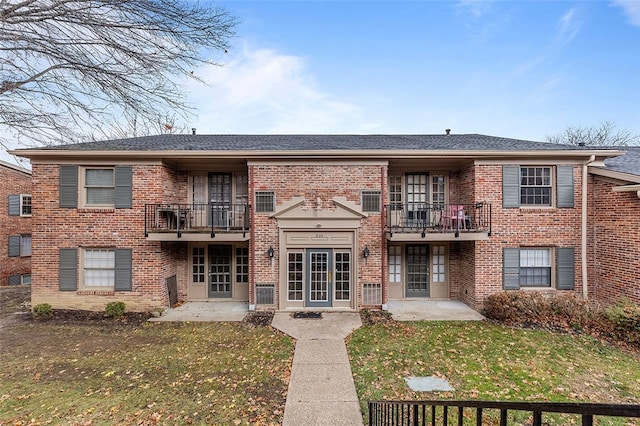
point(210, 217)
point(423, 218)
point(414, 413)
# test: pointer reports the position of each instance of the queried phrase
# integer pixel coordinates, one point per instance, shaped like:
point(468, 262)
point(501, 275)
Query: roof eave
point(274, 154)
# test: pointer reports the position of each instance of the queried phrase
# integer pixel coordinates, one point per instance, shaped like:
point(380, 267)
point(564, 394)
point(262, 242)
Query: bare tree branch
point(68, 67)
point(604, 134)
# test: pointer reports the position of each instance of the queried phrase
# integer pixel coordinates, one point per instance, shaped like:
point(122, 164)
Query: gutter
point(585, 280)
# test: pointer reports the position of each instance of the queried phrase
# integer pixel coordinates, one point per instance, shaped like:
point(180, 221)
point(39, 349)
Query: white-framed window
point(535, 186)
point(370, 201)
point(342, 275)
point(242, 264)
point(25, 279)
point(99, 267)
point(99, 186)
point(395, 264)
point(438, 266)
point(25, 205)
point(294, 275)
point(438, 190)
point(395, 192)
point(535, 267)
point(265, 201)
point(198, 272)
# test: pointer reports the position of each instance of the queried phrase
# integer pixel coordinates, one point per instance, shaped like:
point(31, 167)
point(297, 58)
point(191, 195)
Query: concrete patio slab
point(206, 311)
point(332, 325)
point(432, 310)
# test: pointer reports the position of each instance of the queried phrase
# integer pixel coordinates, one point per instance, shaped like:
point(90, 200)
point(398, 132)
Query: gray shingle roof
point(454, 142)
point(627, 163)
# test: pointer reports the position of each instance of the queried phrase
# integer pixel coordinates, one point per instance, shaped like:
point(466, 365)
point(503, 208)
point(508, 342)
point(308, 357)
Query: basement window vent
point(371, 294)
point(265, 293)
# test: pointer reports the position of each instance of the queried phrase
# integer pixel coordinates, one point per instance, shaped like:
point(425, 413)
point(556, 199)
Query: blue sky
point(521, 69)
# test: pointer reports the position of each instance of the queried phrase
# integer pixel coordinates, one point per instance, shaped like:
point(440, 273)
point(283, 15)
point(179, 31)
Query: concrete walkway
point(321, 389)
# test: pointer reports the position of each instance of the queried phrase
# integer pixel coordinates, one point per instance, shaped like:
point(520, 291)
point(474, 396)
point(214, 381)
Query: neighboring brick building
point(307, 221)
point(15, 208)
point(614, 221)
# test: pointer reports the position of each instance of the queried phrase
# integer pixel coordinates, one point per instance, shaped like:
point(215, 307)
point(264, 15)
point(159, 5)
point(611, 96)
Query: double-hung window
point(99, 268)
point(99, 186)
point(541, 267)
point(538, 186)
point(535, 186)
point(25, 205)
point(535, 267)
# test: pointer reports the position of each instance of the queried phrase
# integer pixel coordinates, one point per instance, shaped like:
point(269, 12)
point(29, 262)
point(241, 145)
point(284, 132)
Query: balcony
point(196, 222)
point(438, 222)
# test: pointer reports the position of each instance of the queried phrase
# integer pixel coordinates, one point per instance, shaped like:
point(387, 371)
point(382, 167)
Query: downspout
point(585, 289)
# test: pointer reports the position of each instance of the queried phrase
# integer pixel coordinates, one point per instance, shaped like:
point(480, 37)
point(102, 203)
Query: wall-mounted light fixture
point(365, 253)
point(270, 252)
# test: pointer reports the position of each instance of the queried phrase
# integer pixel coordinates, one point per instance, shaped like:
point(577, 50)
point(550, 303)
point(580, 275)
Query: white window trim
point(22, 198)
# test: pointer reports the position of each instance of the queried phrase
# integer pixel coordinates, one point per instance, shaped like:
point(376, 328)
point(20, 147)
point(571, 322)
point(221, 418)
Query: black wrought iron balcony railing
point(436, 217)
point(410, 413)
point(196, 218)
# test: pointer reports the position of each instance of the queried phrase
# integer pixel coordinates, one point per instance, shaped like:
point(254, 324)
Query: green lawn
point(159, 373)
point(490, 362)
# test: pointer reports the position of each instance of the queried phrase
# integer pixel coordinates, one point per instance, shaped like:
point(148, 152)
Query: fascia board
point(387, 154)
point(627, 177)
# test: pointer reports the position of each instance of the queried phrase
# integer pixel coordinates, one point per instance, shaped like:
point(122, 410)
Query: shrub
point(624, 317)
point(568, 312)
point(42, 309)
point(114, 309)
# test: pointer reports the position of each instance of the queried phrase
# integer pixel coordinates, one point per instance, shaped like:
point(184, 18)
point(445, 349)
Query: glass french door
point(319, 278)
point(219, 199)
point(417, 199)
point(220, 269)
point(417, 280)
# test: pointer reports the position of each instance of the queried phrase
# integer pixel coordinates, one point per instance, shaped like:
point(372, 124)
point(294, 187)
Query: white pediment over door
point(301, 213)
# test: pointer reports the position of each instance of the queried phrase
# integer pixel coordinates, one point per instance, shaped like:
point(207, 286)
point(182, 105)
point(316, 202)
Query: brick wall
point(313, 182)
point(614, 243)
point(516, 227)
point(12, 182)
point(57, 227)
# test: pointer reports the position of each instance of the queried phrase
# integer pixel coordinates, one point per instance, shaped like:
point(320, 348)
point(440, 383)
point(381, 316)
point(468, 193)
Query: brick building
point(308, 221)
point(614, 223)
point(15, 208)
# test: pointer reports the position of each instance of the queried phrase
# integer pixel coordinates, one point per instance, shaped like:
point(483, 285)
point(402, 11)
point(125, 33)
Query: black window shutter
point(566, 268)
point(14, 245)
point(123, 270)
point(68, 187)
point(564, 186)
point(510, 186)
point(68, 270)
point(14, 205)
point(124, 184)
point(511, 268)
point(14, 280)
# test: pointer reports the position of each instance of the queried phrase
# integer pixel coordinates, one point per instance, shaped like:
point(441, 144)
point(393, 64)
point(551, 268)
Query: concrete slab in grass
point(428, 384)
